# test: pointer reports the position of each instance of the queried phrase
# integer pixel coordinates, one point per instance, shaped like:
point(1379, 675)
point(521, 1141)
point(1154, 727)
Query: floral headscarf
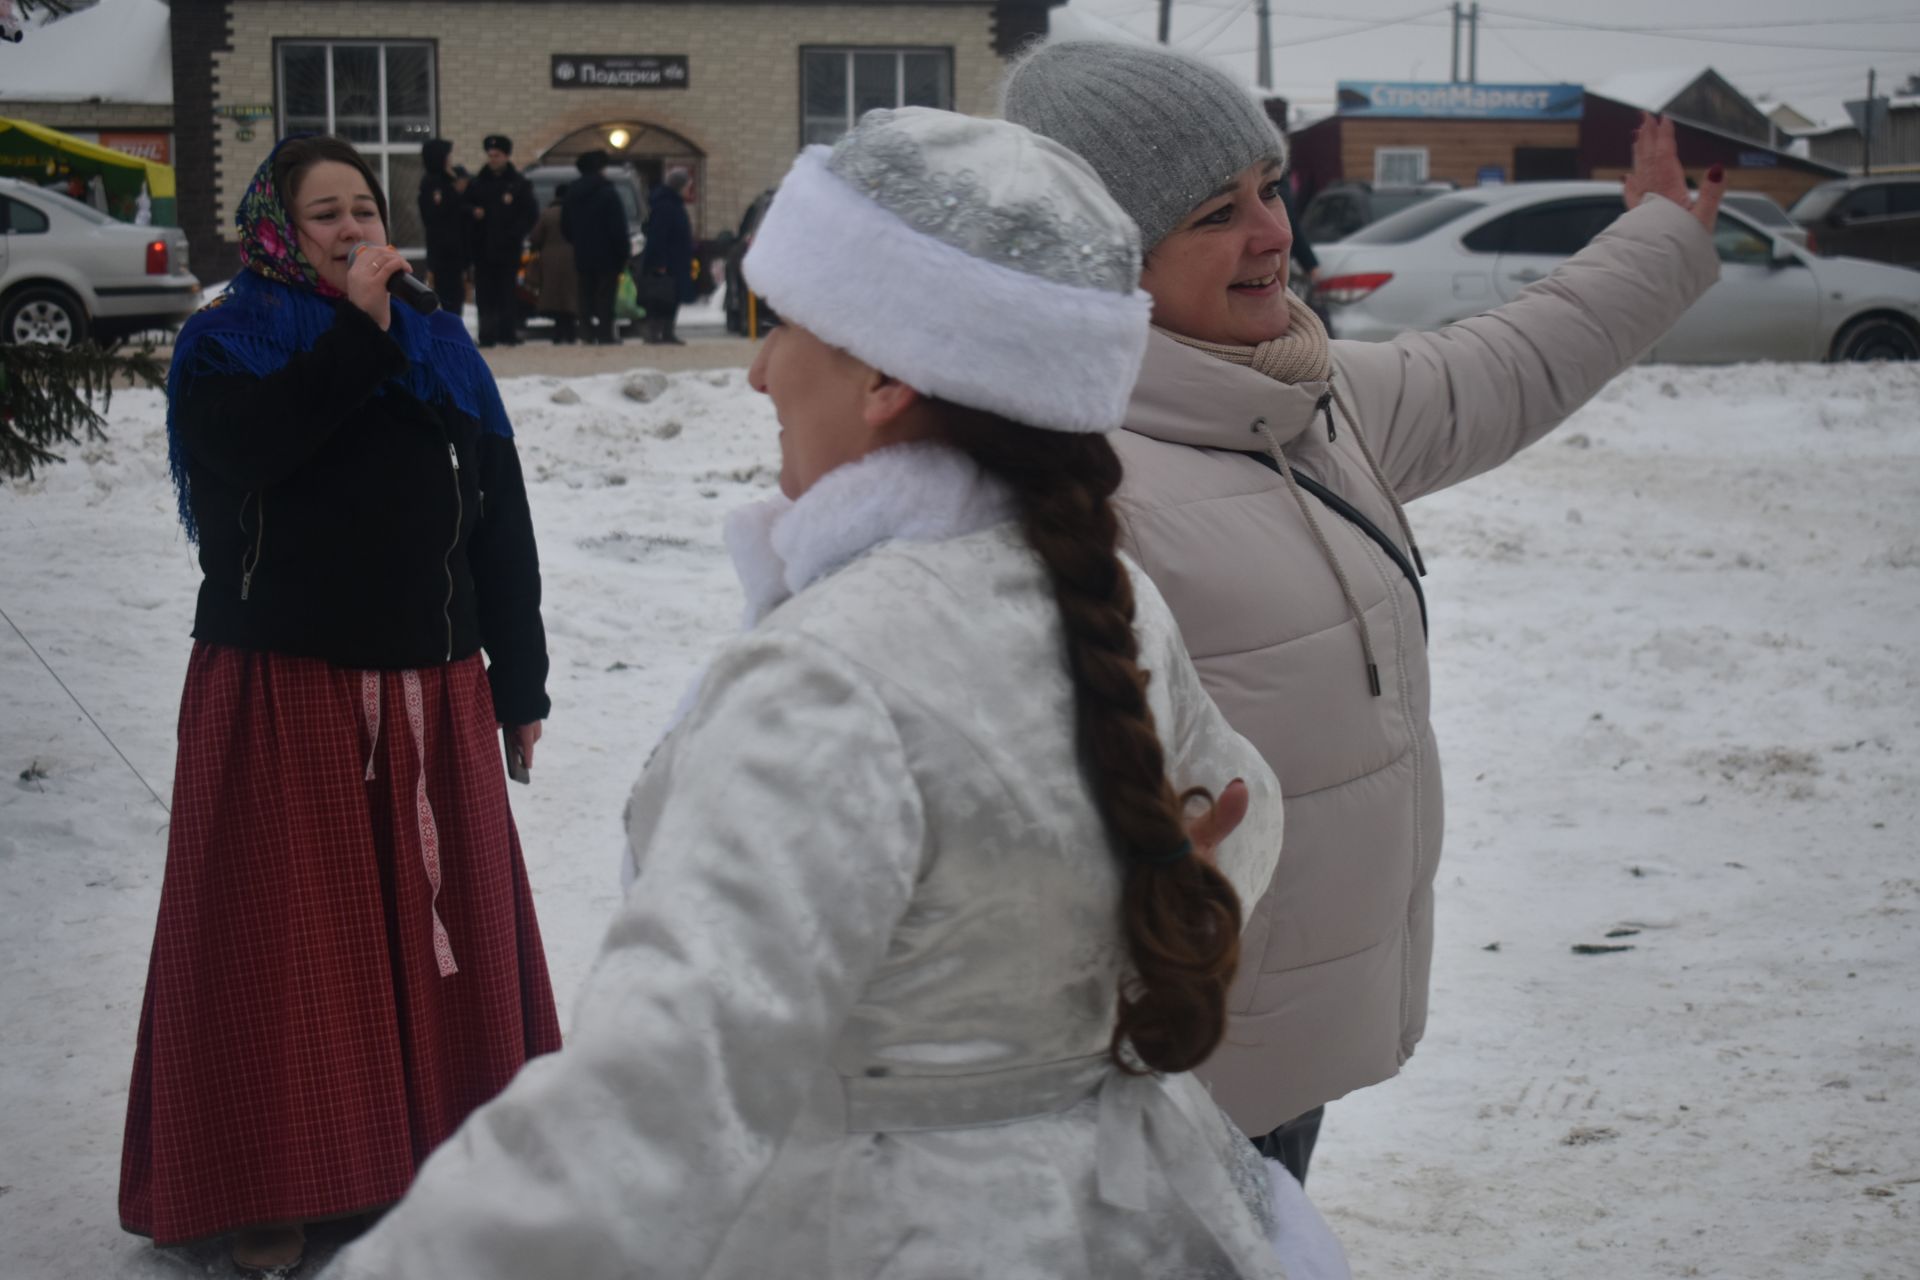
point(269, 245)
point(279, 305)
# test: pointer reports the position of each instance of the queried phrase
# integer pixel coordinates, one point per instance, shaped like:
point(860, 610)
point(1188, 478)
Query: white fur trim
point(943, 321)
point(911, 492)
point(1302, 1240)
point(749, 537)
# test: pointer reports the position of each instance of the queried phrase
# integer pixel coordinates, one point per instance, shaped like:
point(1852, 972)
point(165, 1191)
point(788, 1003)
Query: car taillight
point(156, 257)
point(1813, 245)
point(1345, 289)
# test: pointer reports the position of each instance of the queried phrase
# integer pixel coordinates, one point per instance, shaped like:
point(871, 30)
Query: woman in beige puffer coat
point(1266, 469)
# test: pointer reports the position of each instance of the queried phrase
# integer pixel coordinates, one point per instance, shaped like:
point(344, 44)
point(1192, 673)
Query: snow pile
point(1674, 1016)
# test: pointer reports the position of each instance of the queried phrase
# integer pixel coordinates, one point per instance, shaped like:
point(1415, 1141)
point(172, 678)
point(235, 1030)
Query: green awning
point(34, 153)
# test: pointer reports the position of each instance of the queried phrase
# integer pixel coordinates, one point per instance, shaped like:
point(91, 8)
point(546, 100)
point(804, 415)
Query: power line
point(1515, 50)
point(1655, 28)
point(1214, 29)
point(1407, 20)
point(1546, 24)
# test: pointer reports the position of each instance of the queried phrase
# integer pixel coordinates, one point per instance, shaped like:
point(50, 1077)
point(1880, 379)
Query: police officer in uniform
point(501, 203)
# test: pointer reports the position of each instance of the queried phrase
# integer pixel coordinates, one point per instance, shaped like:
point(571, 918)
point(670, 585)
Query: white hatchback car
point(1461, 254)
point(69, 272)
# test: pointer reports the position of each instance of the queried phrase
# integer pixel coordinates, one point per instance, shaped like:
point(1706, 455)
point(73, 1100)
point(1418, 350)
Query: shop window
point(378, 95)
point(838, 86)
point(1399, 166)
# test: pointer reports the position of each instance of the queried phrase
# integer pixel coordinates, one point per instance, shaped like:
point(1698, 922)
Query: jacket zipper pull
point(453, 454)
point(246, 583)
point(1326, 407)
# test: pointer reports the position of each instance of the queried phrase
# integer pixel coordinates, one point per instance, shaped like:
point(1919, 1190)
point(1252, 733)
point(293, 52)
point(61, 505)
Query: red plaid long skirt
point(318, 1014)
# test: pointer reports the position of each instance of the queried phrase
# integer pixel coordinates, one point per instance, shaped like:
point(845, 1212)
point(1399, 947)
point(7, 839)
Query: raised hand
point(1209, 829)
point(1656, 172)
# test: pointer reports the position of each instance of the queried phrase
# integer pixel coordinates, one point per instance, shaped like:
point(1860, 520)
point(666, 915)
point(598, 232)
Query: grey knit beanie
point(1162, 130)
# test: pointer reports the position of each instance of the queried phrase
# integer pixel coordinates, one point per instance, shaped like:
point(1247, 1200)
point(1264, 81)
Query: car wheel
point(1873, 338)
point(43, 315)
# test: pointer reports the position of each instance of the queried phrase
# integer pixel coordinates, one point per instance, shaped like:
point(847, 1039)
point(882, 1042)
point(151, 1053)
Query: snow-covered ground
point(1675, 664)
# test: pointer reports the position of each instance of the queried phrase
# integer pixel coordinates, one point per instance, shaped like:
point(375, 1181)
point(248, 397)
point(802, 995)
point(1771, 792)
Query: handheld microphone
point(407, 287)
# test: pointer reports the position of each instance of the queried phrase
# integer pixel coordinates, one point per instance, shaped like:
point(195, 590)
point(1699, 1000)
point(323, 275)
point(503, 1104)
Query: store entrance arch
point(647, 148)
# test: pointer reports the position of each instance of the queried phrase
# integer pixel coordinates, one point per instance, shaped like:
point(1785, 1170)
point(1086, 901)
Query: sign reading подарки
point(620, 71)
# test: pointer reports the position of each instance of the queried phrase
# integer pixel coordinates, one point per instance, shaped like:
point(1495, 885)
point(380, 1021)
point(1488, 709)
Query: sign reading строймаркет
point(620, 71)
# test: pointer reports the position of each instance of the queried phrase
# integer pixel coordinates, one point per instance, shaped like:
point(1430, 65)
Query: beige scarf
point(1299, 355)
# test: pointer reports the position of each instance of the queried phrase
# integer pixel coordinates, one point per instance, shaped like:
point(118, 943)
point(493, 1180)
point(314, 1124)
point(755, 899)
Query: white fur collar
point(909, 492)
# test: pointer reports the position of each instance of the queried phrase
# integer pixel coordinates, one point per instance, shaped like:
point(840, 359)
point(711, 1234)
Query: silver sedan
point(1461, 254)
point(69, 272)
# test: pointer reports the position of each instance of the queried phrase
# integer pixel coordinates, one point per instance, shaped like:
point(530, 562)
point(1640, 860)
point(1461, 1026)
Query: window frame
point(8, 203)
point(379, 154)
point(1382, 154)
point(899, 53)
point(1508, 222)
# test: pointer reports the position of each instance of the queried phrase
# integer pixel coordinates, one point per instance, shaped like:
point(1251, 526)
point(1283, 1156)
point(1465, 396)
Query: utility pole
point(1265, 64)
point(1866, 132)
point(1166, 21)
point(1454, 76)
point(1473, 43)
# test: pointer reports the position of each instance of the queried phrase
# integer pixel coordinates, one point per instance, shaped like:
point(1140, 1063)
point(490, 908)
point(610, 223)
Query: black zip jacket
point(371, 531)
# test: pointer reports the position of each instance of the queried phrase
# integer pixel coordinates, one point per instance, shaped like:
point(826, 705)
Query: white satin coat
point(853, 1018)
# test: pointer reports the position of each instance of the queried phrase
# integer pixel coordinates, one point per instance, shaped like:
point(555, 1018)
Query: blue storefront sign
point(1461, 101)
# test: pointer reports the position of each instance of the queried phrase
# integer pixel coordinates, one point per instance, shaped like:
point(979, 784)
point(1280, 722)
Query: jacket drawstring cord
point(1326, 549)
point(1379, 477)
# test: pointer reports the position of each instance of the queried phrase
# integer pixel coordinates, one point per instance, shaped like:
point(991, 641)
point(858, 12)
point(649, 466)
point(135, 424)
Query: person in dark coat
point(595, 223)
point(666, 264)
point(504, 209)
point(444, 216)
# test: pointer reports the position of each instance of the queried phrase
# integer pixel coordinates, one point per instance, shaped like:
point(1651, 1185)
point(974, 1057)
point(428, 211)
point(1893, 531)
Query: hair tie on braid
point(1179, 853)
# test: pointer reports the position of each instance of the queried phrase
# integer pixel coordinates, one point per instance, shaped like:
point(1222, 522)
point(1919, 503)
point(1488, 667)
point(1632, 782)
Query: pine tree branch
point(47, 397)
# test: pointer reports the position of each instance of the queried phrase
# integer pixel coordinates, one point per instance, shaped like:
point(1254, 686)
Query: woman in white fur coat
point(923, 937)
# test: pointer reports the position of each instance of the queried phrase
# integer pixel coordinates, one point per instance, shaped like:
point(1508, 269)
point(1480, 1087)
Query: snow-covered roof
point(117, 51)
point(1649, 90)
point(1833, 115)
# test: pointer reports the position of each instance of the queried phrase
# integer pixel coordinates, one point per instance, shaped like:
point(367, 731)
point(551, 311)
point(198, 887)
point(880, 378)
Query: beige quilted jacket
point(1332, 994)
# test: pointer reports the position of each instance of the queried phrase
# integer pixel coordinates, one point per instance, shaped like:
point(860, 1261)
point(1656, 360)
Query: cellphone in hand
point(516, 762)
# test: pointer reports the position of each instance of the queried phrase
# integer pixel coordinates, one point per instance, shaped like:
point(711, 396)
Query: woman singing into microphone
point(346, 961)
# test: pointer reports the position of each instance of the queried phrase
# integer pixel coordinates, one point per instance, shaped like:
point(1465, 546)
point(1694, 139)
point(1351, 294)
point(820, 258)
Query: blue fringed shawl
point(256, 326)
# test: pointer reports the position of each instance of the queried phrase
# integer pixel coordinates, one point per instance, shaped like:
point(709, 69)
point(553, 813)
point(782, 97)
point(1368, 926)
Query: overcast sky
point(1810, 53)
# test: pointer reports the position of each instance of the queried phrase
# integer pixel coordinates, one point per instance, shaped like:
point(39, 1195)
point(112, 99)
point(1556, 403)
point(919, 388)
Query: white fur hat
point(975, 261)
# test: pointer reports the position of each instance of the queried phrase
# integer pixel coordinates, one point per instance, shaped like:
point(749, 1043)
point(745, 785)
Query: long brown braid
point(1180, 914)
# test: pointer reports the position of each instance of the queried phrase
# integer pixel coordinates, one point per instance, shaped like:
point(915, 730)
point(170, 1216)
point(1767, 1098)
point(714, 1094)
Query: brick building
point(1397, 134)
point(730, 88)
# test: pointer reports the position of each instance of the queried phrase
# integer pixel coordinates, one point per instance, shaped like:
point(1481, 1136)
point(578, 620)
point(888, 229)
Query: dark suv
point(1876, 218)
